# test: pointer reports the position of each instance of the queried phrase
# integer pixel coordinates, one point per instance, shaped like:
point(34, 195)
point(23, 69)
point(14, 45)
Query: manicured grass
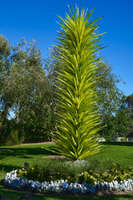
point(12, 157)
point(121, 153)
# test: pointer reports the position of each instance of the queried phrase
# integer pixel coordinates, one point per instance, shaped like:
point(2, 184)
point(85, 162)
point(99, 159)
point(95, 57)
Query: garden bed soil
point(56, 156)
point(38, 143)
point(6, 150)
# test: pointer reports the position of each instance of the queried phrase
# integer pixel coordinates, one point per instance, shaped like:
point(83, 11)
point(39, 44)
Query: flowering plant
point(11, 179)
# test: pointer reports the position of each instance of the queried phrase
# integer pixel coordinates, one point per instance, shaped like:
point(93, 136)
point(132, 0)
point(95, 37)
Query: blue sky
point(37, 19)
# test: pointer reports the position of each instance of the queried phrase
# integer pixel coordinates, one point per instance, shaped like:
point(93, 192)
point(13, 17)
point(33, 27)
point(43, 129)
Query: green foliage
point(112, 104)
point(35, 173)
point(24, 92)
point(123, 121)
point(129, 101)
point(60, 170)
point(15, 137)
point(78, 120)
point(86, 175)
point(115, 173)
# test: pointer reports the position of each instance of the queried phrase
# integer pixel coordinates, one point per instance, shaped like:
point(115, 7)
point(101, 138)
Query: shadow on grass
point(7, 168)
point(8, 194)
point(25, 152)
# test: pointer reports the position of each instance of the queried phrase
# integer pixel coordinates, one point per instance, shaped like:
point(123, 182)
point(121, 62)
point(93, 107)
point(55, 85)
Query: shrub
point(14, 137)
point(60, 170)
point(75, 174)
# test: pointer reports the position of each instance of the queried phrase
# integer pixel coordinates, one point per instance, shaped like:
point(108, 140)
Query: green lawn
point(8, 194)
point(12, 157)
point(121, 153)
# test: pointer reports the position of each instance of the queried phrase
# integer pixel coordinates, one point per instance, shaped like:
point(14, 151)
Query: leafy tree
point(78, 120)
point(4, 66)
point(123, 120)
point(112, 104)
point(107, 90)
point(26, 93)
point(129, 101)
point(51, 66)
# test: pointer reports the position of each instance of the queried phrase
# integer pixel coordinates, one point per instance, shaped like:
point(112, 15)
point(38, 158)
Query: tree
point(107, 90)
point(112, 104)
point(51, 66)
point(123, 119)
point(4, 65)
point(26, 94)
point(78, 121)
point(129, 101)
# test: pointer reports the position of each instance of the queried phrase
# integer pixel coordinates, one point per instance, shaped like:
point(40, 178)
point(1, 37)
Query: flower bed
point(11, 179)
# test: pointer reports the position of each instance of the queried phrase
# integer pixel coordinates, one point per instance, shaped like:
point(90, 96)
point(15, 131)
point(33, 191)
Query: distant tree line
point(28, 96)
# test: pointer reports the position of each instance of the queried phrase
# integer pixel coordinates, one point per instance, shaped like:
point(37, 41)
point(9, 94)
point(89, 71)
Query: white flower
point(11, 179)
